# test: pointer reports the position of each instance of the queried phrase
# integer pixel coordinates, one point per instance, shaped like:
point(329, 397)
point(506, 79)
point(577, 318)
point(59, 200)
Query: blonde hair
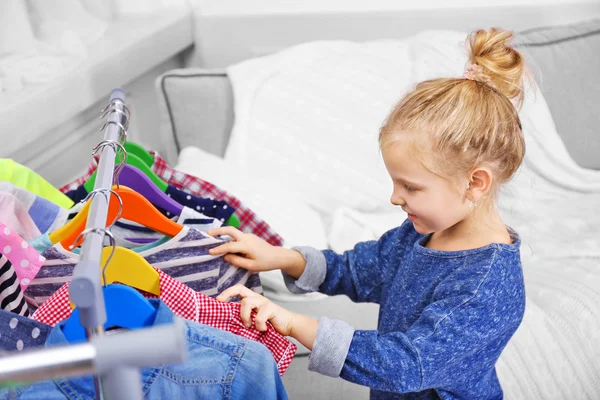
point(468, 121)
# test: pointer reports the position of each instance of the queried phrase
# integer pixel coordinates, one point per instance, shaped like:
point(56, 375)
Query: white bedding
point(307, 121)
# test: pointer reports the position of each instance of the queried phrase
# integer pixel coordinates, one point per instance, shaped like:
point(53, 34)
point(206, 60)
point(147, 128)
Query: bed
point(275, 131)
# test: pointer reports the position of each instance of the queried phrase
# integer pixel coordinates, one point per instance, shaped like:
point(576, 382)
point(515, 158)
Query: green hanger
point(233, 221)
point(141, 152)
point(135, 161)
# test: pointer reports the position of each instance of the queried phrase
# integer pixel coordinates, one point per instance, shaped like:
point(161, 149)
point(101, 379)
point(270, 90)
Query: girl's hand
point(280, 318)
point(254, 254)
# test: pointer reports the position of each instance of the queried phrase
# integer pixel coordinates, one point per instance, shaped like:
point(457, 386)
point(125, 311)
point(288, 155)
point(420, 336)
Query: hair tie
point(471, 71)
point(474, 72)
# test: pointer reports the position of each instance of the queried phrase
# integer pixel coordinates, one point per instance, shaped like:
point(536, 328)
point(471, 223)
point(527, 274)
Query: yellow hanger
point(129, 268)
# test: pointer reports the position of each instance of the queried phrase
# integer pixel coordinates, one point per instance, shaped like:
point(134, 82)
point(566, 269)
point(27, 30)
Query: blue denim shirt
point(444, 319)
point(220, 365)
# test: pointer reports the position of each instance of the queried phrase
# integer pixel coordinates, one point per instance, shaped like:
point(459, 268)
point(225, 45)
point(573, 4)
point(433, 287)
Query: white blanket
point(320, 104)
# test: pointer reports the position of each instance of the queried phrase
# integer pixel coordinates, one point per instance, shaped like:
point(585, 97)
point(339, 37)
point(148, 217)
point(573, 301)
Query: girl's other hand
point(280, 318)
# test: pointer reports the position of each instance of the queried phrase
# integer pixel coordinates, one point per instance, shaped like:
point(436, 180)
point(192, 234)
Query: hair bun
point(498, 63)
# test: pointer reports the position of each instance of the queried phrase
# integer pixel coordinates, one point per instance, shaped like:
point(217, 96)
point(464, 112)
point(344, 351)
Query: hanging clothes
point(220, 365)
point(185, 257)
point(249, 221)
point(132, 235)
point(46, 215)
point(11, 293)
point(14, 215)
point(191, 305)
point(19, 175)
point(128, 229)
point(25, 260)
point(18, 333)
point(217, 209)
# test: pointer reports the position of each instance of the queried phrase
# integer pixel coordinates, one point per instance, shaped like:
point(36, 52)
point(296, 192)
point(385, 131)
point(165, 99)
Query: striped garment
point(184, 257)
point(11, 294)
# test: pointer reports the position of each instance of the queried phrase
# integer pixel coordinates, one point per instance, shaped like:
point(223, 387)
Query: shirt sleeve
point(358, 273)
point(449, 337)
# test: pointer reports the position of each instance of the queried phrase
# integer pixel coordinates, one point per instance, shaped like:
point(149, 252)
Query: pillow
point(308, 118)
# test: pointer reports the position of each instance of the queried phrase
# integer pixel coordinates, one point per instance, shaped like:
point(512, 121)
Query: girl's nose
point(397, 200)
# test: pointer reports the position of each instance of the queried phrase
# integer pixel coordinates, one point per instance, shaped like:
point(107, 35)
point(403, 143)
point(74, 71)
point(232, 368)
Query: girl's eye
point(409, 188)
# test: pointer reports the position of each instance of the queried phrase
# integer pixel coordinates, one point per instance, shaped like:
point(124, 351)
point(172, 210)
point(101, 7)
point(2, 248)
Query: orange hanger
point(135, 208)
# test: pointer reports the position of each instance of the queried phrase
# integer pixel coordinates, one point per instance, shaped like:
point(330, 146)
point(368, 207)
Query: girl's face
point(432, 203)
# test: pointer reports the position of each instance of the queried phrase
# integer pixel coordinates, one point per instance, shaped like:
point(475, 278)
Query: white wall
point(228, 31)
point(265, 7)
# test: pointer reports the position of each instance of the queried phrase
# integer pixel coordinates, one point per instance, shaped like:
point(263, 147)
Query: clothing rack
point(114, 360)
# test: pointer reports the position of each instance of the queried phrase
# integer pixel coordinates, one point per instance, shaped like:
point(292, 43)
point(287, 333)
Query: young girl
point(448, 280)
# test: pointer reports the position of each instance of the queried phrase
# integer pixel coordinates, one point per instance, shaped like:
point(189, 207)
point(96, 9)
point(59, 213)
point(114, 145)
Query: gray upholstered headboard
point(566, 63)
point(198, 104)
point(197, 110)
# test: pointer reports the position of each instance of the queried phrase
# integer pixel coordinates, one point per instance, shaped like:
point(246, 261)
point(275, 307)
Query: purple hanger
point(135, 179)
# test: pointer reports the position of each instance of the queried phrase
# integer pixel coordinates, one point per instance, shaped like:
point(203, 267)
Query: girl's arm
point(461, 334)
point(304, 330)
point(456, 336)
point(358, 273)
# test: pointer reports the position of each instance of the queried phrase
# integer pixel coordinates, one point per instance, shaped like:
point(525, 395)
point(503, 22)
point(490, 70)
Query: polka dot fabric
point(217, 209)
point(24, 259)
point(191, 305)
point(19, 333)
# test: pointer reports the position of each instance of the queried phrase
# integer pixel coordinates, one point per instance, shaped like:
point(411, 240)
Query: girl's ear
point(480, 183)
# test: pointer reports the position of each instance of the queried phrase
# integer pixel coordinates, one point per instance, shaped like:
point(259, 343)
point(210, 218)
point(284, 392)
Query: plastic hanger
point(135, 161)
point(135, 208)
point(66, 230)
point(128, 267)
point(125, 308)
point(233, 221)
point(135, 179)
point(140, 152)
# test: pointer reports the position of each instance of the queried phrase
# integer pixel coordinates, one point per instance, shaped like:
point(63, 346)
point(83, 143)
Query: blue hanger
point(125, 308)
point(135, 179)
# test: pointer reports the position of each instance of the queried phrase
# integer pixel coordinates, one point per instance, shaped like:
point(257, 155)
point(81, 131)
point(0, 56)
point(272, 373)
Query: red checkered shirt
point(249, 221)
point(191, 305)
